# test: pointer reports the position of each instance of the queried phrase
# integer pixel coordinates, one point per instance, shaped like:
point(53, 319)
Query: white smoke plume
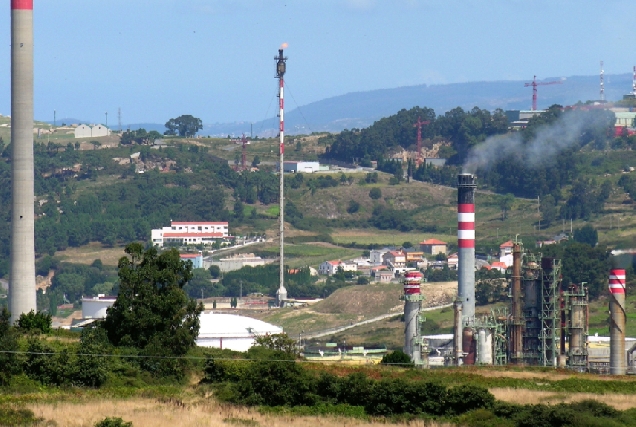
point(548, 142)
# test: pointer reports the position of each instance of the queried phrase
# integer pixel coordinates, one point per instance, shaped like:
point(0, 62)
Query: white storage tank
point(230, 331)
point(95, 307)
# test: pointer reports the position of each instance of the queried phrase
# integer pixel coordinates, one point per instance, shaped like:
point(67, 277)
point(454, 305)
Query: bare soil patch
point(89, 253)
point(519, 396)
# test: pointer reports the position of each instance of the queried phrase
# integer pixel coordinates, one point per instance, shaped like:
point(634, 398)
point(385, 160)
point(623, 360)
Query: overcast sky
point(158, 59)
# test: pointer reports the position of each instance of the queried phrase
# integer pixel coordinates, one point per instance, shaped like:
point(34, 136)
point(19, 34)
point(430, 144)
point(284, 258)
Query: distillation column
point(516, 331)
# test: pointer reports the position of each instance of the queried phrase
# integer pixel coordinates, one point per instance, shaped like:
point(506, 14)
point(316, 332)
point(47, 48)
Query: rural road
point(319, 334)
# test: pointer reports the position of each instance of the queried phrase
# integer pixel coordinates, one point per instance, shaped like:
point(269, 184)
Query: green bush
point(18, 417)
point(113, 422)
point(397, 357)
point(466, 398)
point(35, 322)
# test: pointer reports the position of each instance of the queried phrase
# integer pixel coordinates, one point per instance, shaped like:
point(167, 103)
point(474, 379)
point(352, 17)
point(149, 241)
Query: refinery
point(543, 325)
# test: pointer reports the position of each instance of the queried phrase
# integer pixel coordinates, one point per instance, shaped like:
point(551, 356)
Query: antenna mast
point(602, 83)
point(281, 67)
point(419, 125)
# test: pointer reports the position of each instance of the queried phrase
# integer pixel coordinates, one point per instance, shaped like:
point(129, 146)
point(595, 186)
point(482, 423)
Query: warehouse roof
point(232, 325)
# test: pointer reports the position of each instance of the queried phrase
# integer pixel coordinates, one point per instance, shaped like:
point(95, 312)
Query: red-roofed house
point(195, 259)
point(330, 268)
point(496, 265)
point(433, 246)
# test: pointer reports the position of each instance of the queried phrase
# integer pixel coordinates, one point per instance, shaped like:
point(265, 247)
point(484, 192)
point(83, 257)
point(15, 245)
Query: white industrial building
point(220, 330)
point(91, 131)
point(95, 307)
point(330, 268)
point(301, 167)
point(236, 262)
point(189, 233)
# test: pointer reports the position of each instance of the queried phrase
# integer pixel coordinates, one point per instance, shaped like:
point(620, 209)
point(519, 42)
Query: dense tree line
point(463, 129)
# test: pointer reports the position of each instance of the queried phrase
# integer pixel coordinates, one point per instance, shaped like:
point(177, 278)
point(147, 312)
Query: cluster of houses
point(386, 264)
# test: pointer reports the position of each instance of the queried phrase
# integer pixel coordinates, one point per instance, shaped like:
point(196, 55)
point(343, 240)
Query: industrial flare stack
point(466, 244)
point(281, 67)
point(412, 306)
point(617, 321)
point(22, 274)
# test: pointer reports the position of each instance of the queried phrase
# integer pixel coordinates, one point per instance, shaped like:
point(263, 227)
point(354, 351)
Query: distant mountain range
point(361, 109)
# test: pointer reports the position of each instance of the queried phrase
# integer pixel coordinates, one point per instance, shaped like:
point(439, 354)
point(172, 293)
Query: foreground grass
point(146, 412)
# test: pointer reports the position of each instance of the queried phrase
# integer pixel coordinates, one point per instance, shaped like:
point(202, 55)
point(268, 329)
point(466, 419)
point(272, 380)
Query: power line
point(298, 106)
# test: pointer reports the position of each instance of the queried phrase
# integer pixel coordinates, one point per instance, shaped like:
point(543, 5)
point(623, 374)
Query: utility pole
point(539, 212)
point(106, 119)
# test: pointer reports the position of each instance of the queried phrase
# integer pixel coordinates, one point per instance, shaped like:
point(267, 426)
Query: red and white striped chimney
point(617, 322)
point(466, 243)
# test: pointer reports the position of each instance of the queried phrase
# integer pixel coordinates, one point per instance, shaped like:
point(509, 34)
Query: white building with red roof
point(505, 253)
point(329, 268)
point(190, 233)
point(394, 259)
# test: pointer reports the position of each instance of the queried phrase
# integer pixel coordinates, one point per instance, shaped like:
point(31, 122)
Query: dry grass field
point(89, 253)
point(153, 413)
point(523, 397)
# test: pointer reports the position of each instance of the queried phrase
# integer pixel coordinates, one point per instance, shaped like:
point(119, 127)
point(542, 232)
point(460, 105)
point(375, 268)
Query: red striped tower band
point(412, 281)
point(466, 225)
point(281, 111)
point(22, 4)
point(617, 281)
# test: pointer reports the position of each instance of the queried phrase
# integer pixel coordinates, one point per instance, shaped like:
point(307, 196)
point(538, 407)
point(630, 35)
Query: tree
point(152, 312)
point(185, 125)
point(278, 342)
point(375, 193)
point(353, 207)
point(256, 161)
point(9, 362)
point(32, 321)
point(548, 210)
point(398, 357)
point(586, 234)
point(215, 271)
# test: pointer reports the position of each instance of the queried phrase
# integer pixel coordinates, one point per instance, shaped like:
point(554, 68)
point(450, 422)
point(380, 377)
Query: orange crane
point(419, 125)
point(534, 85)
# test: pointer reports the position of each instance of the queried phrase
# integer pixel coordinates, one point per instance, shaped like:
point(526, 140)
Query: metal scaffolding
point(550, 285)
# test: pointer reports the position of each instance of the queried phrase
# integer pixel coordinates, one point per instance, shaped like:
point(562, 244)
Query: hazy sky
point(158, 59)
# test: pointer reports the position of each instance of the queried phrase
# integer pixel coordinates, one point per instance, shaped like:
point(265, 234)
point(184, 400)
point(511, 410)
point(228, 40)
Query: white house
point(329, 268)
point(95, 307)
point(189, 233)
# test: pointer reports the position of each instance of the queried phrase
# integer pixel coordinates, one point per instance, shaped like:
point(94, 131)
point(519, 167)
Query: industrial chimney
point(281, 67)
point(466, 244)
point(412, 306)
point(22, 273)
point(617, 322)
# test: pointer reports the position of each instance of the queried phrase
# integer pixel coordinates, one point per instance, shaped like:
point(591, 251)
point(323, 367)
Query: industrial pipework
point(466, 243)
point(22, 275)
point(412, 306)
point(617, 322)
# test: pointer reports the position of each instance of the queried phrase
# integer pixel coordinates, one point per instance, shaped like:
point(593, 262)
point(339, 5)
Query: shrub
point(466, 398)
point(375, 193)
point(9, 362)
point(18, 417)
point(113, 422)
point(35, 322)
point(397, 357)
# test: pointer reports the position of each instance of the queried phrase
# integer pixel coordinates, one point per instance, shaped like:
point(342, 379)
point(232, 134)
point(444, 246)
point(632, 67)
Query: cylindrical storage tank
point(468, 346)
point(617, 322)
point(95, 308)
point(488, 353)
point(481, 347)
point(412, 302)
point(466, 244)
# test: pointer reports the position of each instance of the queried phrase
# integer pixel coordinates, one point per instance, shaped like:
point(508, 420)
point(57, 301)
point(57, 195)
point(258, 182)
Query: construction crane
point(534, 85)
point(419, 125)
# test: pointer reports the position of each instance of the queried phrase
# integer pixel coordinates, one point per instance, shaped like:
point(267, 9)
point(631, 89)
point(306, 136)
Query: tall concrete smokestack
point(22, 279)
point(617, 322)
point(412, 306)
point(466, 244)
